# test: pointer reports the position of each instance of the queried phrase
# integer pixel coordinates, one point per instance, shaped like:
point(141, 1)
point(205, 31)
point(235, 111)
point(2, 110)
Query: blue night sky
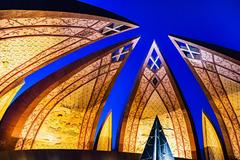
point(211, 21)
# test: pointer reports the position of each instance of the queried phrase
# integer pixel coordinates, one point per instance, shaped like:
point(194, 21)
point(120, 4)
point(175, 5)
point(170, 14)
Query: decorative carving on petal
point(30, 40)
point(155, 95)
point(63, 114)
point(220, 79)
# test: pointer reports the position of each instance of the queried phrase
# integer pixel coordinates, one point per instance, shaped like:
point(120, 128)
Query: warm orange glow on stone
point(220, 77)
point(6, 99)
point(212, 145)
point(105, 137)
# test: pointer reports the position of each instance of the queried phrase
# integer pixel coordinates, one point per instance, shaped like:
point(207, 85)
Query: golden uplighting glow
point(154, 96)
point(6, 99)
point(105, 137)
point(212, 145)
point(219, 75)
point(30, 42)
point(65, 117)
point(62, 126)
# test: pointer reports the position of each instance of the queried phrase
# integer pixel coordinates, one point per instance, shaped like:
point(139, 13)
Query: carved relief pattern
point(21, 22)
point(52, 103)
point(178, 120)
point(26, 44)
point(137, 116)
point(100, 103)
point(13, 52)
point(232, 89)
point(91, 113)
point(82, 95)
point(60, 128)
point(151, 101)
point(83, 73)
point(221, 77)
point(56, 96)
point(139, 94)
point(33, 31)
point(224, 112)
point(41, 59)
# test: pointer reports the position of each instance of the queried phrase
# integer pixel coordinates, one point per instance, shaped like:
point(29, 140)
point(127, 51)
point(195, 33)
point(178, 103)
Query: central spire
point(157, 147)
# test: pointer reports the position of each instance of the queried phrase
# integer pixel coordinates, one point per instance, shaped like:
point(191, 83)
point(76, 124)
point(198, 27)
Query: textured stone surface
point(65, 117)
point(151, 100)
point(220, 76)
point(33, 39)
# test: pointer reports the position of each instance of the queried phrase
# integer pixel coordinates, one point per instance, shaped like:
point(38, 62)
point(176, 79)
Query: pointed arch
point(32, 41)
point(219, 76)
point(61, 110)
point(156, 94)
